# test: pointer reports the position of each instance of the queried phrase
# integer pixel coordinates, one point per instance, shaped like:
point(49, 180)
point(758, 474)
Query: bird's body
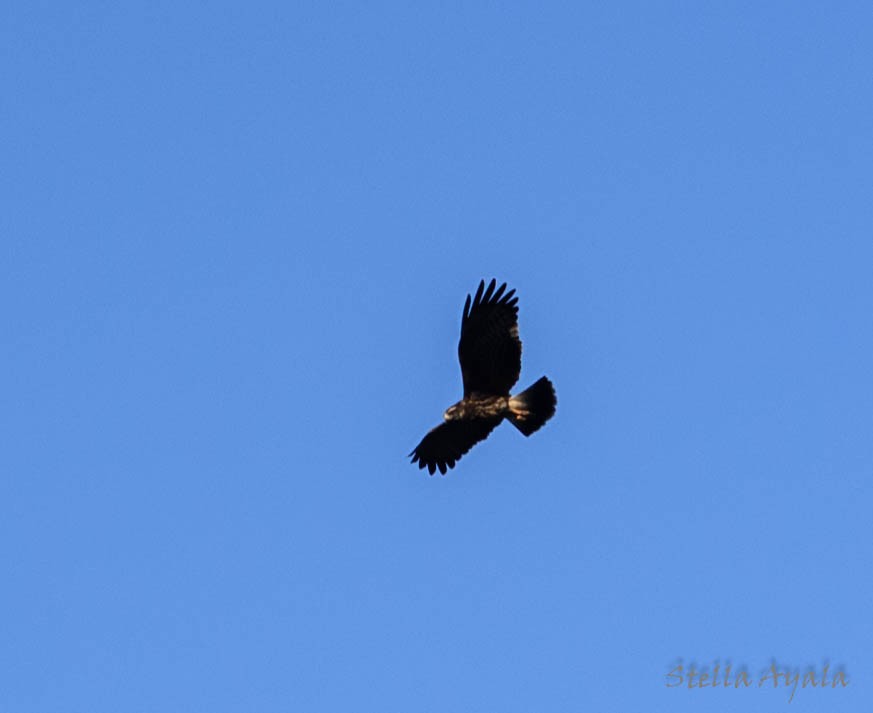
point(490, 356)
point(477, 406)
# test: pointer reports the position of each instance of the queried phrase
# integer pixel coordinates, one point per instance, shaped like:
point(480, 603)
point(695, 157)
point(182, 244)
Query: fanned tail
point(530, 409)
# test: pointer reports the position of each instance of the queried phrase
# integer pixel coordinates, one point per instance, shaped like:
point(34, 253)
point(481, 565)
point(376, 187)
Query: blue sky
point(236, 242)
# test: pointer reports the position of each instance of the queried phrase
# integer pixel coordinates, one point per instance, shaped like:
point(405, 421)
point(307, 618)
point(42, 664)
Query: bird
point(490, 355)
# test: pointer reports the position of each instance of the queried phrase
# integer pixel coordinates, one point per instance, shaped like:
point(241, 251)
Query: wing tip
point(477, 299)
point(431, 466)
point(492, 294)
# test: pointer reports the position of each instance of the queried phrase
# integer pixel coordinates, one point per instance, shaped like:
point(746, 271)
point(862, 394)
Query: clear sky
point(235, 242)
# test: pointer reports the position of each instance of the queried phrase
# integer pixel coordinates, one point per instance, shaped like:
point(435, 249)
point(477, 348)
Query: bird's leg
point(520, 414)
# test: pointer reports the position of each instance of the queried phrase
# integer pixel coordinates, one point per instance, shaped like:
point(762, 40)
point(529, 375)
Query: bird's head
point(452, 413)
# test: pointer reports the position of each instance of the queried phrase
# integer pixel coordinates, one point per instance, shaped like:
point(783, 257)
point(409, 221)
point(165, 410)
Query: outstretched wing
point(444, 445)
point(490, 350)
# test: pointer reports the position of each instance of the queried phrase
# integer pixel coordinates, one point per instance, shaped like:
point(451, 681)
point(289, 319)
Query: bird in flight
point(490, 356)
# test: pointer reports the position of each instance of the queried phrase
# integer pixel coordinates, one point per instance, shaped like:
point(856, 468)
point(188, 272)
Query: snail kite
point(490, 356)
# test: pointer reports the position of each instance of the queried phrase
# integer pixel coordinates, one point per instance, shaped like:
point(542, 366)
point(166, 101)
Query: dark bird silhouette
point(490, 356)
